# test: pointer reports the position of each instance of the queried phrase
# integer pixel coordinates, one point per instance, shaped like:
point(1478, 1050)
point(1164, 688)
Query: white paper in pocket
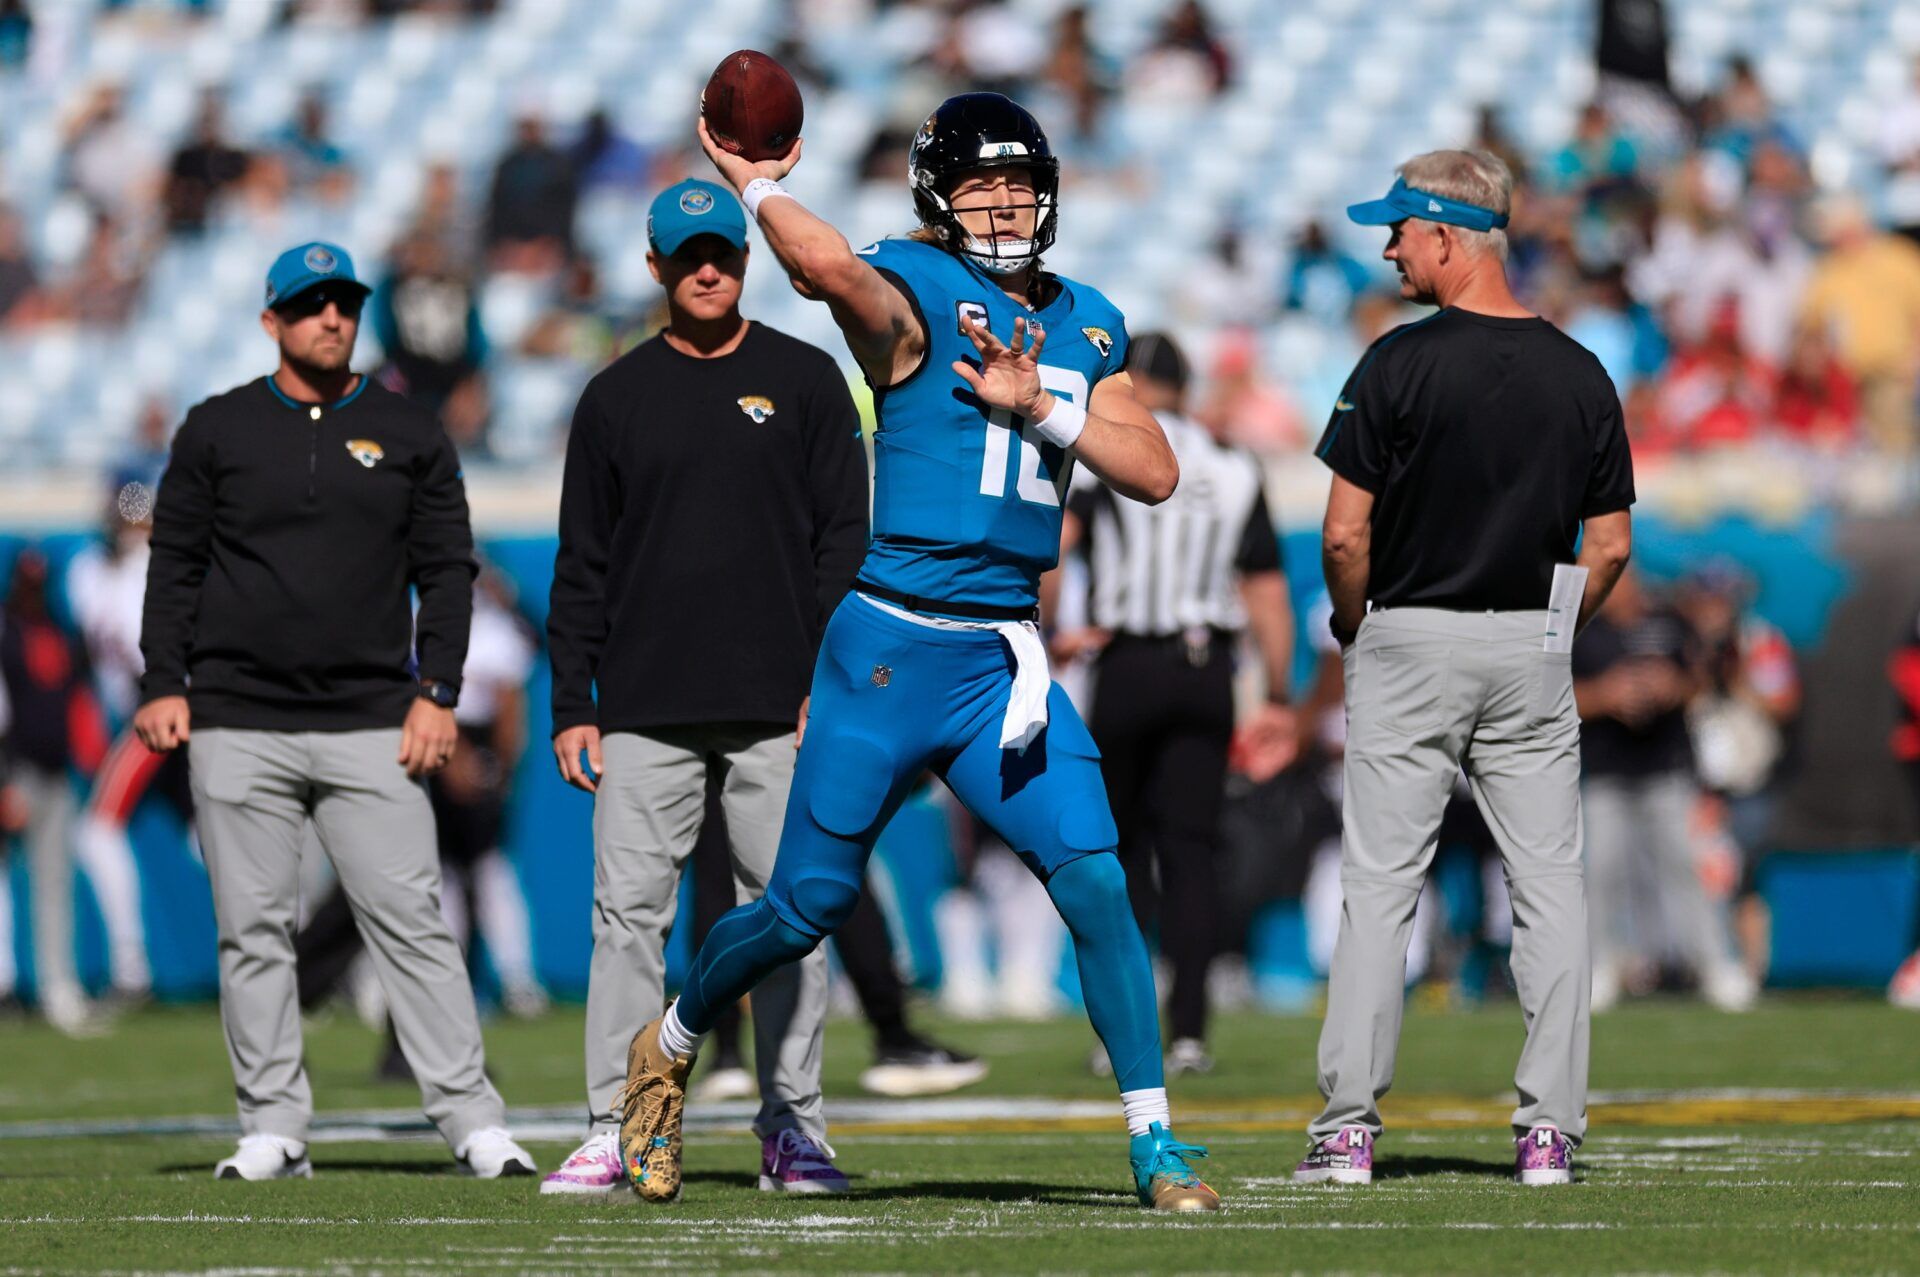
point(1563, 607)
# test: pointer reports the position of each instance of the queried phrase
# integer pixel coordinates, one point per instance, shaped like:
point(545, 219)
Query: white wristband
point(760, 190)
point(1063, 425)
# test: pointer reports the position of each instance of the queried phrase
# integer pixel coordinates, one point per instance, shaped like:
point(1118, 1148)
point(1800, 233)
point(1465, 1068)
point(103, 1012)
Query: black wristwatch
point(441, 694)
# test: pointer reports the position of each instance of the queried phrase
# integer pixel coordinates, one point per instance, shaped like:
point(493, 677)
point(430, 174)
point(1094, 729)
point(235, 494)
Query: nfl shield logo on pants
point(882, 675)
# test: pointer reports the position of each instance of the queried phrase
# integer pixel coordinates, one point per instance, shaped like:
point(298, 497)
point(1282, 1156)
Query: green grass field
point(1783, 1141)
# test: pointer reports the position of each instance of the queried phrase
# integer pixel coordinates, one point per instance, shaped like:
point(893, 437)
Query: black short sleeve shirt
point(1485, 441)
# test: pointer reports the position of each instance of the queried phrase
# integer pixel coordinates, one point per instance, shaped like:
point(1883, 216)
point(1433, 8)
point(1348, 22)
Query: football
point(752, 106)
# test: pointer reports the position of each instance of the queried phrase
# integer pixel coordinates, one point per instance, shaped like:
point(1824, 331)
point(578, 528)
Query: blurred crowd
point(1735, 301)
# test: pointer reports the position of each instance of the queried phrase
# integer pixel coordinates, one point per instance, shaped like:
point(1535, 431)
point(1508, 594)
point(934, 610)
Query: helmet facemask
point(996, 256)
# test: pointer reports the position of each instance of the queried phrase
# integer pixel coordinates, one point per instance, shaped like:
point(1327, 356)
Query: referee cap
point(691, 208)
point(305, 265)
point(1157, 357)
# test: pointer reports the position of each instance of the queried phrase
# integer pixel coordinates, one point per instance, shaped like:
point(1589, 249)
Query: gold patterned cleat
point(1162, 1177)
point(1182, 1192)
point(650, 1106)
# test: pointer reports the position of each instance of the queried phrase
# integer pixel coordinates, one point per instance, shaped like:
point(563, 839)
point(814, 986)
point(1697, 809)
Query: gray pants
point(51, 807)
point(1638, 838)
point(646, 818)
point(254, 792)
point(1429, 693)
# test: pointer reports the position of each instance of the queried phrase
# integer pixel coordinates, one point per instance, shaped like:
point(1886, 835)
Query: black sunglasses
point(314, 300)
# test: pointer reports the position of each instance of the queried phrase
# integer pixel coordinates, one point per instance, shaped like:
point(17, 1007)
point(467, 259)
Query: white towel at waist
point(1026, 714)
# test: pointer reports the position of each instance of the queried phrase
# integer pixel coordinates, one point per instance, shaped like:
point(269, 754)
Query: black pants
point(1163, 718)
point(865, 949)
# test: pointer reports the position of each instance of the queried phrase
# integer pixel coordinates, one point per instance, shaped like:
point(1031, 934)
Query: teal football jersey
point(967, 500)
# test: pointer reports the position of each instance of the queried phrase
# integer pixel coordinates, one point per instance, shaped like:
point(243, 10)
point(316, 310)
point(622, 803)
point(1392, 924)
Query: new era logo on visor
point(320, 261)
point(1433, 206)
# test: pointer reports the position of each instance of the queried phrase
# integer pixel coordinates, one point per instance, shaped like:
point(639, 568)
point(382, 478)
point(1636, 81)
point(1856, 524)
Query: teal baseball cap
point(1403, 201)
point(691, 208)
point(305, 265)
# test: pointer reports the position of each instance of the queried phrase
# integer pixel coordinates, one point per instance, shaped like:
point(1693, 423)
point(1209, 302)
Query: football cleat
point(1543, 1156)
point(1162, 1177)
point(1346, 1158)
point(262, 1156)
point(650, 1107)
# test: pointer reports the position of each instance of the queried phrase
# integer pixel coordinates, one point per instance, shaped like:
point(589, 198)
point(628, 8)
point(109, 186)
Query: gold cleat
point(650, 1106)
point(1181, 1192)
point(1162, 1177)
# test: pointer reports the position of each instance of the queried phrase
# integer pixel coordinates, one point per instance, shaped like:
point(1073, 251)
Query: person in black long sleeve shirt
point(295, 513)
point(713, 514)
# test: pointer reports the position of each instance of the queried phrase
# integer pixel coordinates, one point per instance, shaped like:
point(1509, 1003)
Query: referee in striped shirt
point(1171, 587)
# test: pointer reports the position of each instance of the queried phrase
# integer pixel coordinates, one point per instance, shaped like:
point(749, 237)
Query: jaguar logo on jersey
point(1102, 340)
point(365, 451)
point(758, 407)
point(976, 311)
point(882, 675)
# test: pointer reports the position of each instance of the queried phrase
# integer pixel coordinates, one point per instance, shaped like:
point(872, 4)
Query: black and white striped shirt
point(1161, 570)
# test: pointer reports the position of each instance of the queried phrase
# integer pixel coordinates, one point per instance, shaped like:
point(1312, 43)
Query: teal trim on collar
point(335, 406)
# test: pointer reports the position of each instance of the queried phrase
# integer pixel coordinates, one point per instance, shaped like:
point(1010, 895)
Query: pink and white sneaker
point(1904, 991)
point(1346, 1158)
point(794, 1162)
point(1543, 1156)
point(592, 1168)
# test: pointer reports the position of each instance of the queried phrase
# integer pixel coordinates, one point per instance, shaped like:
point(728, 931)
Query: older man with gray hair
point(1470, 450)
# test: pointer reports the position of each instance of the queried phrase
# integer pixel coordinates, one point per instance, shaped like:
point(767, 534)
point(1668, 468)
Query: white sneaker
point(263, 1156)
point(1729, 988)
point(67, 1010)
point(490, 1153)
point(593, 1168)
point(730, 1083)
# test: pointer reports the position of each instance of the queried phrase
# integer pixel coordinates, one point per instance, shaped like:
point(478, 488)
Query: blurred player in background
point(934, 661)
point(1637, 669)
point(105, 585)
point(54, 730)
point(1742, 725)
point(1171, 589)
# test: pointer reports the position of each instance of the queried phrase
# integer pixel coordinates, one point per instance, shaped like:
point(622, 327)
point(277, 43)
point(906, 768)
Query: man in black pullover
point(713, 514)
point(294, 514)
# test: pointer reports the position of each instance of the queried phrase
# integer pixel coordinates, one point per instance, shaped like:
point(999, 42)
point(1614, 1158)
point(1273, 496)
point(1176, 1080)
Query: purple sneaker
point(1346, 1158)
point(794, 1162)
point(594, 1167)
point(1543, 1156)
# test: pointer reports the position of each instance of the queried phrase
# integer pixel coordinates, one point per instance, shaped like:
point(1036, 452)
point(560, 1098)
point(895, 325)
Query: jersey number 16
point(1030, 485)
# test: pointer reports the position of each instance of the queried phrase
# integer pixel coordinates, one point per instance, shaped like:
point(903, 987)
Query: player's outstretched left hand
point(1008, 376)
point(738, 170)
